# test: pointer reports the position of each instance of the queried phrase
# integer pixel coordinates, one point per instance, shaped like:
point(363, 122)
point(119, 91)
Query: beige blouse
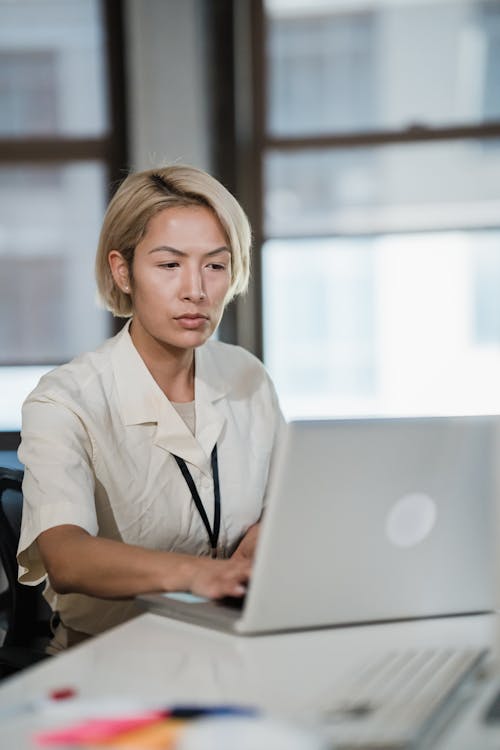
point(97, 441)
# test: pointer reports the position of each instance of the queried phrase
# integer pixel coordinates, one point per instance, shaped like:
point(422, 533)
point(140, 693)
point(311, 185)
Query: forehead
point(184, 228)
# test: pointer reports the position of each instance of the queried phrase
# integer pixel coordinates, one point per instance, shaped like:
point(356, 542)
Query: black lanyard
point(213, 534)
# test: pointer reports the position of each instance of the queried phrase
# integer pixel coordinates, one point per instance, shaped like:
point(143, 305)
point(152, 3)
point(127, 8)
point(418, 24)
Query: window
point(380, 155)
point(28, 92)
point(317, 54)
point(57, 159)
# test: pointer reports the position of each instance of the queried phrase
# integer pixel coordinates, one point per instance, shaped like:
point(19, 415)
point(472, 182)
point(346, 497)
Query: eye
point(170, 265)
point(217, 266)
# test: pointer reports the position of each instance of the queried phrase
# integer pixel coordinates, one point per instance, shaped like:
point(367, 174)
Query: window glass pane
point(401, 324)
point(50, 218)
point(339, 65)
point(15, 384)
point(382, 189)
point(51, 68)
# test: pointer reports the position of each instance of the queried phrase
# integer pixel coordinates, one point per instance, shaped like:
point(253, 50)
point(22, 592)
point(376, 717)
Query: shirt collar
point(141, 401)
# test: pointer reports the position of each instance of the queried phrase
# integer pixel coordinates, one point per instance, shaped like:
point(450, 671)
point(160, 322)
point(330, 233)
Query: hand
point(218, 578)
point(246, 548)
point(80, 563)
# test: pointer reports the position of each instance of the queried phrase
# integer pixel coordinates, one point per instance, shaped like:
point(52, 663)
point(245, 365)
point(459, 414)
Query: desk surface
point(154, 658)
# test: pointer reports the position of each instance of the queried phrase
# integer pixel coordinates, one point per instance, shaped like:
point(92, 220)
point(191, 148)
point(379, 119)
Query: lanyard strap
point(213, 534)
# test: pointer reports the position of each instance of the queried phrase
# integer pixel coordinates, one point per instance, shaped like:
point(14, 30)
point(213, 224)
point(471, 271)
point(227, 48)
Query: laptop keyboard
point(400, 699)
point(233, 602)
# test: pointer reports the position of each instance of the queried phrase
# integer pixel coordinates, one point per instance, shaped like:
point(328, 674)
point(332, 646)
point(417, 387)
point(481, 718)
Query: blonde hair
point(144, 194)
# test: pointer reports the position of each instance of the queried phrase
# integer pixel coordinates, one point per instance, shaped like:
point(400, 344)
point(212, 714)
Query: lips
point(191, 316)
point(191, 320)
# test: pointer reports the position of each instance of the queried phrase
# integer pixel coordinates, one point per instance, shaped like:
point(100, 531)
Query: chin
point(192, 340)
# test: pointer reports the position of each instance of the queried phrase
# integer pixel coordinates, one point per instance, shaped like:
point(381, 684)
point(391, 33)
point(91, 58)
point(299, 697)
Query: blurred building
point(362, 136)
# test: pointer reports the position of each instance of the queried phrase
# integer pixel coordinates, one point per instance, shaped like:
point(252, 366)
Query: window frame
point(254, 143)
point(111, 149)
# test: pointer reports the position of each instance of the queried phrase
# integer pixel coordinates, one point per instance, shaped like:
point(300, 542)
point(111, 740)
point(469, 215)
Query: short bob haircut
point(144, 194)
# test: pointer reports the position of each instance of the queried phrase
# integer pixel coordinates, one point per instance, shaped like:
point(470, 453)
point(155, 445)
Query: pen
point(198, 711)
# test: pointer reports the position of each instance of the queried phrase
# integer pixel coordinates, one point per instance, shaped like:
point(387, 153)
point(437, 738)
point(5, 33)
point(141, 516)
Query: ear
point(119, 269)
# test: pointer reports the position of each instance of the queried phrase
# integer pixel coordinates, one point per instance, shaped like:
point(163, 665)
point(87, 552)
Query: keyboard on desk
point(399, 700)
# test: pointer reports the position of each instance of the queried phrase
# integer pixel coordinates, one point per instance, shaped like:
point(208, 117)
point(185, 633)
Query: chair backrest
point(27, 613)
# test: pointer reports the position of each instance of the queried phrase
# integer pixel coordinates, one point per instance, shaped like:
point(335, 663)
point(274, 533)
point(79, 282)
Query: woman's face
point(181, 275)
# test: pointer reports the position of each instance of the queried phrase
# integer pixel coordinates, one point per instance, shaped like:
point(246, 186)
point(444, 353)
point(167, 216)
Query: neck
point(171, 367)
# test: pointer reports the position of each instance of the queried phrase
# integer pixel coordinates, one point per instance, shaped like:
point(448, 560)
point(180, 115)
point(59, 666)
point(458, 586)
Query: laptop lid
point(367, 520)
point(376, 519)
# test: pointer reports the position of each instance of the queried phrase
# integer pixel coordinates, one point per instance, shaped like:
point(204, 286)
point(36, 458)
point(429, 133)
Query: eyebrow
point(174, 251)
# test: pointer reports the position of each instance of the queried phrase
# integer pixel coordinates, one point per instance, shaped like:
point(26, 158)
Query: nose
point(193, 287)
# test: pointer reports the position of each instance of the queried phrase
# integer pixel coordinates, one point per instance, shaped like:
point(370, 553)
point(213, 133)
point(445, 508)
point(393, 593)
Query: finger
point(236, 591)
point(239, 590)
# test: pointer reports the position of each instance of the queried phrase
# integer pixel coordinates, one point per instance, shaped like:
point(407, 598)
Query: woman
point(147, 460)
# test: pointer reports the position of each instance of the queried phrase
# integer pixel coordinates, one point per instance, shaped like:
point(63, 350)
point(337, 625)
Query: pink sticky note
point(95, 730)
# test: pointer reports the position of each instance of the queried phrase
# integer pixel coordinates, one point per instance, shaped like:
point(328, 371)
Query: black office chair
point(26, 613)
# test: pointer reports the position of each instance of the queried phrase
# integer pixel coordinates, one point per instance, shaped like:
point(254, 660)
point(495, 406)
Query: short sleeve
point(58, 486)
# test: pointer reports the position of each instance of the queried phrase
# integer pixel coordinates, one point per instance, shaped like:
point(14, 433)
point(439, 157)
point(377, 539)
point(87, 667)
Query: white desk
point(159, 659)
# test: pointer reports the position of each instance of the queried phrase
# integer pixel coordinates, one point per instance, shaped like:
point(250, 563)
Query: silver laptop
point(367, 520)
